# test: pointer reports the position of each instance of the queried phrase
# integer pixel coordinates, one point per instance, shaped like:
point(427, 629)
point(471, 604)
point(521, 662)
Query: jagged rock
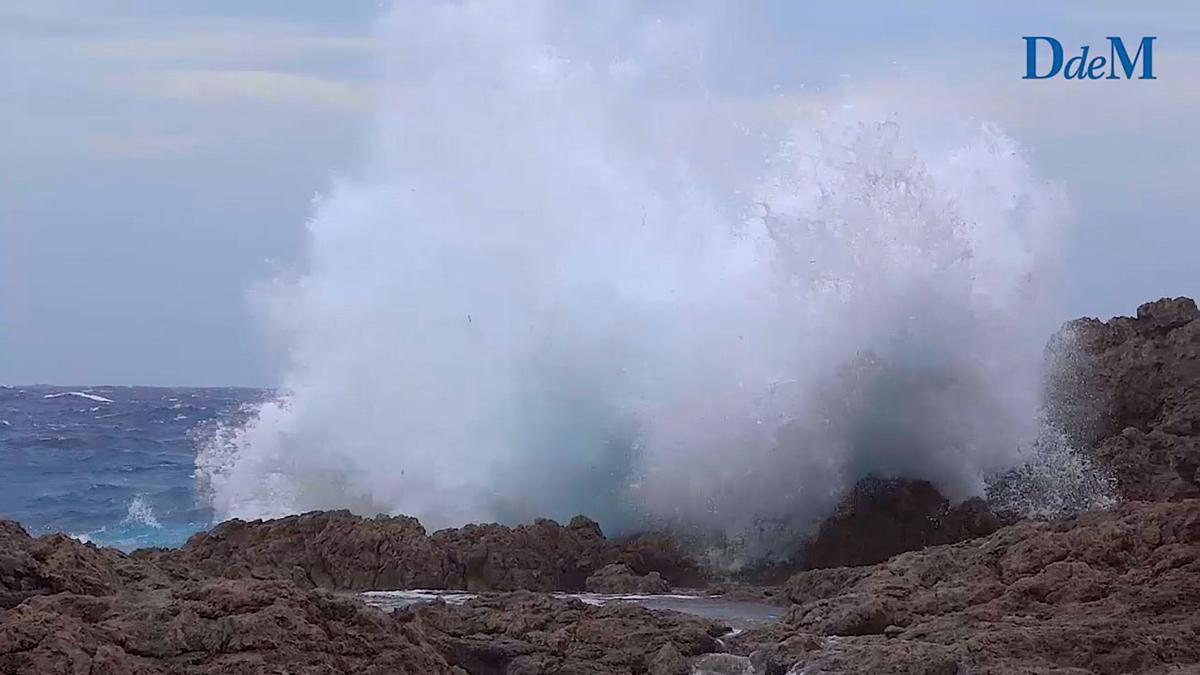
point(525, 632)
point(543, 556)
point(1109, 592)
point(1127, 391)
point(668, 660)
point(59, 564)
point(618, 578)
point(331, 549)
point(341, 551)
point(228, 626)
point(657, 552)
point(881, 518)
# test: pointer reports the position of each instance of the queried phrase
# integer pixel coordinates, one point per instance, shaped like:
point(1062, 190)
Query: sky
point(159, 158)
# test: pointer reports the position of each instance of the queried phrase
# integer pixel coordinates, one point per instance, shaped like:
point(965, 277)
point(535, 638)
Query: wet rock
point(618, 578)
point(881, 518)
point(1127, 392)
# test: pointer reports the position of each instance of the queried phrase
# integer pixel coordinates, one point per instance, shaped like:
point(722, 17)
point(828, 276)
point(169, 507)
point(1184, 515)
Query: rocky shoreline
point(897, 581)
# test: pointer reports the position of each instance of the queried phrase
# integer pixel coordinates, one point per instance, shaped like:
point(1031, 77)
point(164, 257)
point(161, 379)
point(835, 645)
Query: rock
point(330, 549)
point(1127, 392)
point(243, 598)
point(341, 551)
point(59, 564)
point(881, 518)
point(243, 626)
point(1105, 592)
point(618, 578)
point(524, 632)
point(650, 552)
point(543, 556)
point(668, 660)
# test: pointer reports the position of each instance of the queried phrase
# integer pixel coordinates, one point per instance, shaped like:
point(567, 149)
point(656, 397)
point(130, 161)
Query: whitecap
point(80, 394)
point(141, 512)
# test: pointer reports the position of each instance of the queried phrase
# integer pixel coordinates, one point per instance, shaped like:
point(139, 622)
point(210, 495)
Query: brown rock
point(330, 549)
point(59, 564)
point(881, 518)
point(650, 552)
point(526, 632)
point(1109, 592)
point(340, 551)
point(618, 578)
point(1128, 392)
point(668, 660)
point(543, 556)
point(228, 626)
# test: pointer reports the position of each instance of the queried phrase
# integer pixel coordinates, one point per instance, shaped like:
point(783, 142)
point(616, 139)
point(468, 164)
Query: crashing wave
point(569, 280)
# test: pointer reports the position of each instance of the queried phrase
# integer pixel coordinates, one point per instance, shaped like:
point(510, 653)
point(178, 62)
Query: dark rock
point(881, 518)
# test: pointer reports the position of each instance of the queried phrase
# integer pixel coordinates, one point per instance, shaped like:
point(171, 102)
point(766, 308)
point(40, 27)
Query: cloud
point(227, 44)
point(265, 86)
point(145, 146)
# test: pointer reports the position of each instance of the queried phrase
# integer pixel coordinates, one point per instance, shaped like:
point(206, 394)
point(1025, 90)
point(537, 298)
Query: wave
point(574, 279)
point(81, 394)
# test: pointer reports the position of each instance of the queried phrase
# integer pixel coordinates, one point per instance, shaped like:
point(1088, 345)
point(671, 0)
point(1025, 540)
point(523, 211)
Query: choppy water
point(111, 465)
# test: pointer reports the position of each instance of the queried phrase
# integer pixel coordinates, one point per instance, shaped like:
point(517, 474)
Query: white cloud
point(147, 146)
point(226, 44)
point(217, 86)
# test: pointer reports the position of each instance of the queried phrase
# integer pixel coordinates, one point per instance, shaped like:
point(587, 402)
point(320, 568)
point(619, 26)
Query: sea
point(111, 465)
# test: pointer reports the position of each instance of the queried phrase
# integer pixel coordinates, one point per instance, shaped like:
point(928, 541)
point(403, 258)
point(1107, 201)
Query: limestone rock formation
point(1109, 592)
point(1128, 392)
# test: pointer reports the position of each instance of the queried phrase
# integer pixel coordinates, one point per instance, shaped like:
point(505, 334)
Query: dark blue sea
point(112, 465)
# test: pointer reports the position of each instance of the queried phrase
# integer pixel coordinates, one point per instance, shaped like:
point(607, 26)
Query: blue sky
point(159, 158)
